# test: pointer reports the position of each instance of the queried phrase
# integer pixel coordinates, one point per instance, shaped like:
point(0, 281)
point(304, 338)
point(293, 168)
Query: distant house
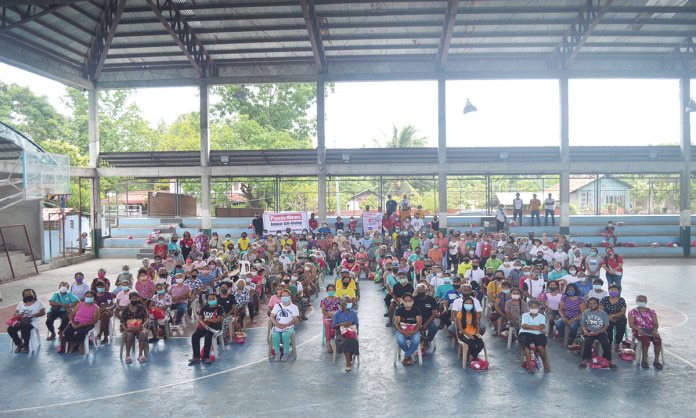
point(584, 192)
point(357, 199)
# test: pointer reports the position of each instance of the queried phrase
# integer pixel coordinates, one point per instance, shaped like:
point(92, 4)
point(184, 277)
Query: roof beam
point(310, 17)
point(446, 37)
point(184, 37)
point(102, 41)
point(578, 33)
point(35, 16)
point(687, 56)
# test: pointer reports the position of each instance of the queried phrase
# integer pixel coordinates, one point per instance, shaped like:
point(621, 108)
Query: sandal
point(530, 370)
point(18, 349)
point(582, 366)
point(25, 349)
point(613, 367)
point(657, 365)
point(51, 337)
point(142, 359)
point(644, 365)
point(129, 360)
point(194, 361)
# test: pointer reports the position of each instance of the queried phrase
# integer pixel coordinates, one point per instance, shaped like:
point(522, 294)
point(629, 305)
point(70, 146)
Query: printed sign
point(296, 221)
point(372, 221)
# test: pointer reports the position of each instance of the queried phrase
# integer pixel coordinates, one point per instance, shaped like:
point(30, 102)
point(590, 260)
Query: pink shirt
point(123, 298)
point(85, 313)
point(273, 301)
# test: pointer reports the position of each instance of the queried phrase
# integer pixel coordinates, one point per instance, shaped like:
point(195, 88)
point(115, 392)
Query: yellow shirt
point(339, 284)
point(463, 268)
point(341, 291)
point(493, 290)
point(422, 213)
point(244, 244)
point(227, 242)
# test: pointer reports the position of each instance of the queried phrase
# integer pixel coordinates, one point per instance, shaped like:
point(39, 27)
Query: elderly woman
point(145, 285)
point(60, 303)
point(284, 316)
point(515, 307)
point(615, 306)
point(329, 307)
point(82, 320)
point(571, 308)
point(346, 319)
point(643, 321)
point(29, 310)
point(161, 300)
point(409, 321)
point(242, 298)
point(125, 274)
point(533, 331)
point(105, 300)
point(180, 293)
point(134, 319)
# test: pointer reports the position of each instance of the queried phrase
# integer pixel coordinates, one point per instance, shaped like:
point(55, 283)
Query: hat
point(345, 271)
point(573, 241)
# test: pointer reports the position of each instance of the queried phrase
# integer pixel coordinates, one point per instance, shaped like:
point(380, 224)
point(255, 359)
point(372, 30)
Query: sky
point(510, 112)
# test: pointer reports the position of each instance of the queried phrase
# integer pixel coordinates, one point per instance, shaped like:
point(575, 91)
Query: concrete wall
point(29, 214)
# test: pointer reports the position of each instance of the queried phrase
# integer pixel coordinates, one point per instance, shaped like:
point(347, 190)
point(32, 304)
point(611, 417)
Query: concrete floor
point(243, 382)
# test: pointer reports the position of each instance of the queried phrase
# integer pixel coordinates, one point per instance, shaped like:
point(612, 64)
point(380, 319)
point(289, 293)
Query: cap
point(345, 271)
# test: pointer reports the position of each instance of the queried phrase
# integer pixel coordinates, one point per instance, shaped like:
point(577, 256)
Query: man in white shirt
point(517, 208)
point(474, 274)
point(500, 217)
point(561, 257)
point(549, 206)
point(417, 223)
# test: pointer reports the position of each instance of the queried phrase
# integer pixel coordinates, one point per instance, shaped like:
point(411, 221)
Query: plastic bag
point(599, 363)
point(350, 332)
point(212, 352)
point(479, 365)
point(12, 321)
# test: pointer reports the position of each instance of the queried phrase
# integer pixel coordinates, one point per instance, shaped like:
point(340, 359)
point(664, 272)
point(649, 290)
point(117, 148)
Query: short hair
point(345, 299)
point(330, 285)
point(286, 290)
point(409, 294)
point(641, 297)
point(615, 286)
point(134, 292)
point(89, 291)
point(505, 284)
point(598, 281)
point(240, 282)
point(534, 302)
point(421, 286)
point(592, 299)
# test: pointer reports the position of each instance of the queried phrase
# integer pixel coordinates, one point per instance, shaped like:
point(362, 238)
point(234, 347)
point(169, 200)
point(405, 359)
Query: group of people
point(433, 279)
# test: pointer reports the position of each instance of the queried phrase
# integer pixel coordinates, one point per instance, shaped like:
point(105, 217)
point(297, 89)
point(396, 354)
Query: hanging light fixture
point(469, 107)
point(691, 107)
point(240, 94)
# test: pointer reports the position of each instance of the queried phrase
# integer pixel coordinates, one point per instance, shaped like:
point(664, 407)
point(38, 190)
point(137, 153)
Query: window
point(586, 199)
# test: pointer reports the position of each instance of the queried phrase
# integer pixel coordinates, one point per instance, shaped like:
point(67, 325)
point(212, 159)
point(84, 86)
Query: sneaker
point(277, 357)
point(284, 357)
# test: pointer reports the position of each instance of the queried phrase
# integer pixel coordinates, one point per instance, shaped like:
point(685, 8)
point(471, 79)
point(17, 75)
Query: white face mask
point(527, 273)
point(63, 289)
point(534, 311)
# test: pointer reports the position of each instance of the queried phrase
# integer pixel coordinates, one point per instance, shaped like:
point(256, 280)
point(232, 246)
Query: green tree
point(407, 137)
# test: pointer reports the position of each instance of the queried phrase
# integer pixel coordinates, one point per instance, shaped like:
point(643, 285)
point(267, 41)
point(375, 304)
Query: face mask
point(79, 279)
point(101, 275)
point(163, 275)
point(553, 289)
point(571, 271)
point(468, 307)
point(472, 252)
point(63, 289)
point(571, 293)
point(89, 300)
point(613, 294)
point(597, 286)
point(160, 292)
point(435, 246)
point(493, 256)
point(534, 311)
point(349, 305)
point(456, 286)
point(438, 274)
point(286, 281)
point(515, 297)
point(212, 302)
point(641, 304)
point(474, 266)
point(545, 247)
point(403, 281)
point(179, 281)
point(593, 253)
point(558, 269)
point(332, 293)
point(194, 276)
point(506, 291)
point(518, 268)
point(582, 279)
point(346, 283)
point(134, 302)
point(101, 289)
point(408, 304)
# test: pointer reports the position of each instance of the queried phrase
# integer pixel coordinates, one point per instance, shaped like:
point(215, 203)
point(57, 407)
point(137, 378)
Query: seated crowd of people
point(432, 279)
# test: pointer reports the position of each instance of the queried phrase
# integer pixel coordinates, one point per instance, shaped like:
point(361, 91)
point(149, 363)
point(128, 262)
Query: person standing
point(517, 208)
point(549, 205)
point(404, 209)
point(391, 205)
point(500, 218)
point(257, 223)
point(534, 205)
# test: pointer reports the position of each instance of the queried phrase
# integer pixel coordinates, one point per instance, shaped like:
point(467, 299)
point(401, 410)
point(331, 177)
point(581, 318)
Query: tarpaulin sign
point(372, 221)
point(296, 221)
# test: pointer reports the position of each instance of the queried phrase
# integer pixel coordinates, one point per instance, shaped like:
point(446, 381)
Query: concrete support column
point(685, 177)
point(564, 145)
point(442, 152)
point(207, 222)
point(95, 189)
point(321, 152)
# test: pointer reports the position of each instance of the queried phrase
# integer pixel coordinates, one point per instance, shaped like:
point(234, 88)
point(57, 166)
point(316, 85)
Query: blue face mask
point(160, 292)
point(597, 286)
point(126, 272)
point(89, 300)
point(349, 305)
point(447, 279)
point(571, 293)
point(468, 307)
point(125, 288)
point(100, 289)
point(212, 302)
point(506, 291)
point(641, 304)
point(285, 299)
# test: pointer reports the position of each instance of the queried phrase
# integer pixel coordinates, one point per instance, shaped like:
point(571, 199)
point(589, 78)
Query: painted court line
point(34, 408)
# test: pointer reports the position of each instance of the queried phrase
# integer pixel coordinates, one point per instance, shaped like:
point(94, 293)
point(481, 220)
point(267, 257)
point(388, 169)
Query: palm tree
point(408, 137)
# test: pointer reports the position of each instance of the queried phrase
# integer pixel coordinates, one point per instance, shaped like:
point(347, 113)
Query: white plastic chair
point(93, 333)
point(638, 348)
point(244, 268)
point(397, 352)
point(32, 343)
point(356, 358)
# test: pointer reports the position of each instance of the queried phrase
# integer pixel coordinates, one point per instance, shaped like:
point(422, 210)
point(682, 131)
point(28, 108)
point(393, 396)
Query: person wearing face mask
point(101, 277)
point(339, 238)
point(125, 274)
point(615, 307)
point(105, 301)
point(613, 264)
point(329, 306)
point(180, 293)
point(178, 269)
point(284, 316)
point(209, 319)
point(495, 286)
point(400, 289)
point(542, 264)
point(61, 303)
point(516, 274)
point(29, 310)
point(557, 272)
point(428, 306)
point(593, 264)
point(435, 254)
point(445, 306)
point(79, 288)
point(465, 265)
point(506, 267)
point(644, 324)
point(571, 277)
point(243, 300)
point(163, 301)
point(533, 287)
point(229, 305)
point(500, 305)
point(514, 308)
point(409, 321)
point(144, 285)
point(594, 325)
point(186, 243)
point(532, 331)
point(443, 288)
point(344, 286)
point(346, 318)
point(571, 308)
point(173, 245)
point(468, 325)
point(202, 240)
point(597, 291)
point(583, 285)
point(493, 262)
point(82, 320)
point(160, 249)
point(475, 275)
point(154, 267)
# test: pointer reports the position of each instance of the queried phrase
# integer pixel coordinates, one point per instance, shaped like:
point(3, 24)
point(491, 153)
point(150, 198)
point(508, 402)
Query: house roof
point(577, 183)
point(367, 192)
